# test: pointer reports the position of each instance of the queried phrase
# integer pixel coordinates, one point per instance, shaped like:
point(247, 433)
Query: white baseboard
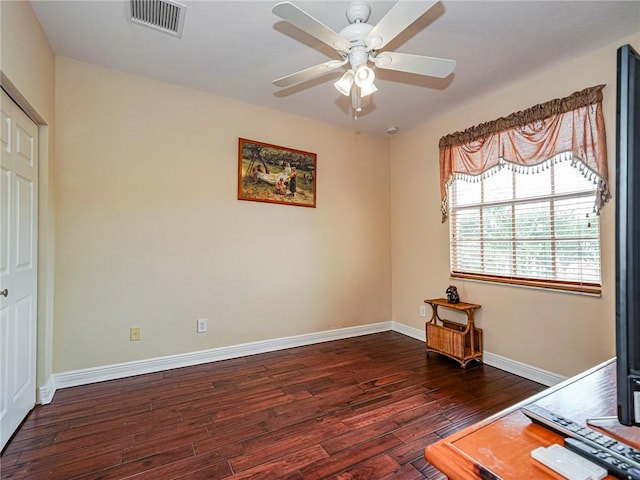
point(86, 376)
point(522, 369)
point(46, 392)
point(412, 332)
point(127, 369)
point(517, 368)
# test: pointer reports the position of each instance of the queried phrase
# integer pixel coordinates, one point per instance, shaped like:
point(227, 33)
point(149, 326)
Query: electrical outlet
point(202, 325)
point(134, 334)
point(423, 311)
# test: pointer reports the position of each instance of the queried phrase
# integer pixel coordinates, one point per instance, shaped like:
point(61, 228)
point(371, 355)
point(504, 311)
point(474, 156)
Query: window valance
point(529, 140)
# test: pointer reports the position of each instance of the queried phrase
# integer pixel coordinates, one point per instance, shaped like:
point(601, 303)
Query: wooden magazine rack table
point(456, 340)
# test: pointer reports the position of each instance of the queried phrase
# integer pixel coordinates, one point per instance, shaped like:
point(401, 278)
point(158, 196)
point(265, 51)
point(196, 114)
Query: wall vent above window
point(162, 15)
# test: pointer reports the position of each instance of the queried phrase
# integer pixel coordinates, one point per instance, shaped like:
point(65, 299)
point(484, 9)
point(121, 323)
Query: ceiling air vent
point(163, 15)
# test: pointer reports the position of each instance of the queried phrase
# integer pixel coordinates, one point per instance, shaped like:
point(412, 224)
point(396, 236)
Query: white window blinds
point(529, 225)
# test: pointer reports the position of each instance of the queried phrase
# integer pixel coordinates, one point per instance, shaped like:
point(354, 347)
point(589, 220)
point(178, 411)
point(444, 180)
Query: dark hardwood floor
point(360, 408)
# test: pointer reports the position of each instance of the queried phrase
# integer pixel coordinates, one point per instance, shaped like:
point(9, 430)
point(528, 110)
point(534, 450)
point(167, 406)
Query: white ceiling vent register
point(162, 15)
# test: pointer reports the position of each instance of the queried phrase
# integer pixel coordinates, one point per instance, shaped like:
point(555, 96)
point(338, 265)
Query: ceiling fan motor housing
point(356, 33)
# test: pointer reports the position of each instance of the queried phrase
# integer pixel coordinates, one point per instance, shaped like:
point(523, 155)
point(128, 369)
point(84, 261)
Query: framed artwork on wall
point(273, 174)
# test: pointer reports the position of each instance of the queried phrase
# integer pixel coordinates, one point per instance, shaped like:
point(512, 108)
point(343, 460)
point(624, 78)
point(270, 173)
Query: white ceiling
point(236, 48)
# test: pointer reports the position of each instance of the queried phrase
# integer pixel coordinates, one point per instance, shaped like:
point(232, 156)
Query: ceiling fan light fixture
point(364, 76)
point(344, 84)
point(367, 90)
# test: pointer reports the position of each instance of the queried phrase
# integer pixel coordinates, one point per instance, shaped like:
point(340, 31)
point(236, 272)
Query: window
point(530, 225)
point(523, 194)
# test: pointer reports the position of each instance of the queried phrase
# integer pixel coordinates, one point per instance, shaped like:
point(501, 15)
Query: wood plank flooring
point(360, 408)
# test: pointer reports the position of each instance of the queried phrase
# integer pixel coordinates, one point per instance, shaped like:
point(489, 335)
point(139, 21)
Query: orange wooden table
point(502, 443)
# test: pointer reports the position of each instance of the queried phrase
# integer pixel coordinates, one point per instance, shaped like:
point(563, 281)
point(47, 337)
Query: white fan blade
point(405, 62)
point(305, 22)
point(401, 15)
point(309, 73)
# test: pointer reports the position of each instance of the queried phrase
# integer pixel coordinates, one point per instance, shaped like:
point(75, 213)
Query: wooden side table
point(453, 339)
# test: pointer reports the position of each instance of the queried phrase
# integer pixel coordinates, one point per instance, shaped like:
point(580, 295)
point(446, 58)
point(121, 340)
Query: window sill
point(566, 287)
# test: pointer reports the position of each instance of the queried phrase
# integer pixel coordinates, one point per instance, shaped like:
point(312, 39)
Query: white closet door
point(18, 265)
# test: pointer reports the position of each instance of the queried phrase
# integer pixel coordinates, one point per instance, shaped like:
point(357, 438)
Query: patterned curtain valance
point(565, 126)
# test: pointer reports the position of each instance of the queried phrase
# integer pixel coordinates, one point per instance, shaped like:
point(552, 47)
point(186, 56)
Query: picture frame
point(275, 174)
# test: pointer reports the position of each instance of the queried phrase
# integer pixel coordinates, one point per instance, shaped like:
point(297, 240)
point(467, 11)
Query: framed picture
point(274, 174)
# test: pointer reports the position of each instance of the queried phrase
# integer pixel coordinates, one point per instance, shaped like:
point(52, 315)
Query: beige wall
point(559, 332)
point(27, 65)
point(150, 232)
point(27, 58)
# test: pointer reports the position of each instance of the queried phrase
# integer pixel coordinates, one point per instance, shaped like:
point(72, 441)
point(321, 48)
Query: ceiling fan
point(360, 43)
